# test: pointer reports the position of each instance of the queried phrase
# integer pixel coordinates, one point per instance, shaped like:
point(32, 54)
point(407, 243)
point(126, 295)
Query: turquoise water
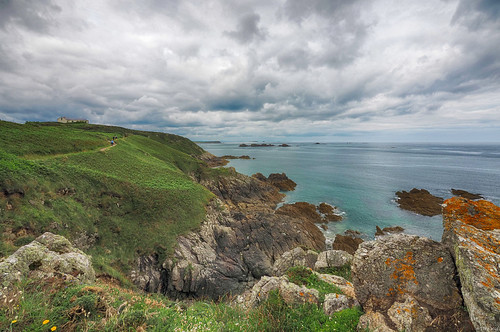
point(361, 179)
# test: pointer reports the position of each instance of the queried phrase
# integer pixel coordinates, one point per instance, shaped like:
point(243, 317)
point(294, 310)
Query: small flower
point(53, 328)
point(14, 321)
point(45, 322)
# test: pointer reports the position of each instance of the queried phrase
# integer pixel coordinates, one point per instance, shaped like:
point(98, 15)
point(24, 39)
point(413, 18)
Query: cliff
point(238, 243)
point(472, 232)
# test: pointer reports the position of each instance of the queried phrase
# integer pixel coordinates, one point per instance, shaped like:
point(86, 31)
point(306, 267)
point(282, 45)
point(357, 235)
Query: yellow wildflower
point(45, 321)
point(53, 328)
point(14, 321)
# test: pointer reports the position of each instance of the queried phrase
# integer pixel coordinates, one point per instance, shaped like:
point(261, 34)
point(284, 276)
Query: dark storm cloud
point(37, 15)
point(247, 29)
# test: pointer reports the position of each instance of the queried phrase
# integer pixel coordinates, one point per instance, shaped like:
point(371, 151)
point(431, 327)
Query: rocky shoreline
point(248, 247)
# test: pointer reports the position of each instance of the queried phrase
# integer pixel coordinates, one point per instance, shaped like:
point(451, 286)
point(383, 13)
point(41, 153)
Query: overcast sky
point(290, 70)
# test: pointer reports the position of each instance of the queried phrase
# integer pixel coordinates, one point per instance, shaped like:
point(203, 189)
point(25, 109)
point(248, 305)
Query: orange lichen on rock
point(471, 231)
point(480, 214)
point(403, 273)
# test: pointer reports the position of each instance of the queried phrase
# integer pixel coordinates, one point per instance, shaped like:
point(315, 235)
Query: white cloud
point(223, 69)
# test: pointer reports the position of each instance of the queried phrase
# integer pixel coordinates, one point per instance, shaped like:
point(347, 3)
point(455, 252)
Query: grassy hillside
point(135, 197)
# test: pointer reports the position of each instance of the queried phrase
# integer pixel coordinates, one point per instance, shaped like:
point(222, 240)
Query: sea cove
point(361, 179)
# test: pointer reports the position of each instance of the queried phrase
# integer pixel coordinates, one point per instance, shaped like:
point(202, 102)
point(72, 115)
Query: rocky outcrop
point(332, 258)
point(280, 181)
point(294, 257)
point(465, 194)
point(472, 232)
point(301, 210)
point(322, 213)
point(255, 145)
point(290, 292)
point(348, 243)
point(235, 157)
point(298, 294)
point(242, 193)
point(400, 272)
point(47, 256)
point(212, 160)
point(337, 302)
point(238, 243)
point(420, 201)
point(388, 230)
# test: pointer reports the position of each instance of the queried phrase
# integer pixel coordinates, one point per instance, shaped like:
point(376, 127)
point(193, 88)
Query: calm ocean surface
point(361, 179)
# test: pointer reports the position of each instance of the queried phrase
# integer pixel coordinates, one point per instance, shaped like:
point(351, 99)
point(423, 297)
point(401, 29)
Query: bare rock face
point(290, 292)
point(420, 201)
point(280, 181)
point(212, 160)
point(322, 213)
point(374, 321)
point(302, 210)
point(333, 258)
point(47, 256)
point(395, 268)
point(346, 243)
point(238, 243)
point(409, 315)
point(472, 232)
point(338, 302)
point(294, 257)
point(465, 194)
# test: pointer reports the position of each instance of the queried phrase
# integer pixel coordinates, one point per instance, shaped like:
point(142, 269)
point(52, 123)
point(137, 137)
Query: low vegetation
point(301, 275)
point(114, 202)
point(53, 304)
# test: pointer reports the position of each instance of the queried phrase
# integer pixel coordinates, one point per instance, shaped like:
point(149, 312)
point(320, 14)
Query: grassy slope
point(136, 196)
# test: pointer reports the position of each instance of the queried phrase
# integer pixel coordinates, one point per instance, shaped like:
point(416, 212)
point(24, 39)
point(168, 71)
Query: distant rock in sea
point(420, 201)
point(254, 145)
point(465, 194)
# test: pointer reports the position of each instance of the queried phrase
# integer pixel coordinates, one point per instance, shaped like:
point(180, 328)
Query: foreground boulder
point(49, 255)
point(472, 232)
point(400, 272)
point(420, 201)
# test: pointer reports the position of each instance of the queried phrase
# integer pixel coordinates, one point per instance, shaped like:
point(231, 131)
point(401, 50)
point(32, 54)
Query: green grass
point(301, 275)
point(135, 197)
point(103, 307)
point(341, 271)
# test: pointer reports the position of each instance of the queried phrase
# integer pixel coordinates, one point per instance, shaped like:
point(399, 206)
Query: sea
point(361, 179)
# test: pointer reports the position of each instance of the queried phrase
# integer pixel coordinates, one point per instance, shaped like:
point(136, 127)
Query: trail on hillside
point(35, 157)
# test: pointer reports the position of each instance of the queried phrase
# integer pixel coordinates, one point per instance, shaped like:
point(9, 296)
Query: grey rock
point(387, 270)
point(294, 257)
point(333, 258)
point(373, 322)
point(47, 256)
point(409, 316)
point(337, 302)
point(290, 292)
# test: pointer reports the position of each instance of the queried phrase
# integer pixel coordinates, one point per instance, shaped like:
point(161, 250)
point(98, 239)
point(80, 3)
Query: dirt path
point(108, 147)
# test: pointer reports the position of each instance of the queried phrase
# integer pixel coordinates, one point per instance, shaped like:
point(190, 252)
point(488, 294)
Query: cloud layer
point(282, 70)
